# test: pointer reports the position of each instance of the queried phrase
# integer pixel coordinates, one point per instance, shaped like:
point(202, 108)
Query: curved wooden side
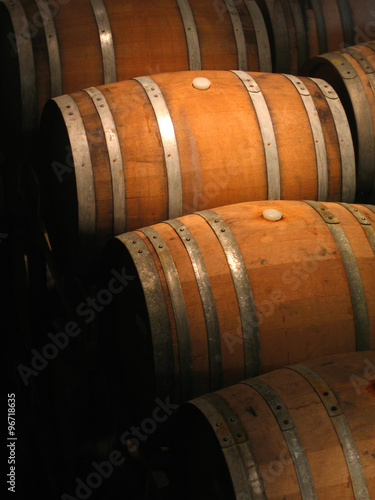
point(281, 292)
point(52, 48)
point(183, 149)
point(352, 73)
point(305, 431)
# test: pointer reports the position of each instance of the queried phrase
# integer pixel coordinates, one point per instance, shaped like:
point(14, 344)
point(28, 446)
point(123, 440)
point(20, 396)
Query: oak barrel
point(351, 72)
point(287, 30)
point(134, 153)
point(213, 297)
point(53, 47)
point(306, 431)
point(335, 24)
point(299, 29)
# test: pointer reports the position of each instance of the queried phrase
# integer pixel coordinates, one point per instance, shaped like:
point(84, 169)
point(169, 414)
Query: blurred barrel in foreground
point(217, 296)
point(305, 431)
point(352, 74)
point(138, 152)
point(53, 47)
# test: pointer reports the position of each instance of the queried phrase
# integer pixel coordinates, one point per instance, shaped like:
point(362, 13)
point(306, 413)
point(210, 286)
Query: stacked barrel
point(191, 185)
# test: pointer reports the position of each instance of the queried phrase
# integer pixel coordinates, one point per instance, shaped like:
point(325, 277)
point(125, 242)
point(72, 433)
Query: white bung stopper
point(201, 83)
point(272, 214)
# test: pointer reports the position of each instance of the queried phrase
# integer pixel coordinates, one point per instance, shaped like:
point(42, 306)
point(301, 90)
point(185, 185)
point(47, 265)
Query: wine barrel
point(335, 24)
point(299, 29)
point(287, 32)
point(134, 153)
point(224, 294)
point(305, 431)
point(351, 72)
point(60, 46)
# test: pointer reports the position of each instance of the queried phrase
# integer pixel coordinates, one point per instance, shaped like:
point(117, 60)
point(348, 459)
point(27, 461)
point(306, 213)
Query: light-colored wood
point(148, 38)
point(358, 97)
point(350, 377)
point(220, 148)
point(299, 285)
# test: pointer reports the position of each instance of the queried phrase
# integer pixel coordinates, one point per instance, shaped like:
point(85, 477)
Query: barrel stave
point(299, 395)
point(306, 278)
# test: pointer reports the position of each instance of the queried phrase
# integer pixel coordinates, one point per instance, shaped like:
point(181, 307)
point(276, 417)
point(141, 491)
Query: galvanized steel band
point(83, 171)
point(168, 137)
point(179, 311)
point(353, 275)
point(245, 299)
point(157, 312)
point(261, 35)
point(342, 429)
point(292, 439)
point(115, 159)
point(318, 136)
point(365, 223)
point(208, 303)
point(26, 65)
point(235, 446)
point(362, 112)
point(267, 132)
point(52, 47)
point(106, 41)
point(191, 34)
point(238, 35)
point(344, 138)
point(365, 64)
point(370, 207)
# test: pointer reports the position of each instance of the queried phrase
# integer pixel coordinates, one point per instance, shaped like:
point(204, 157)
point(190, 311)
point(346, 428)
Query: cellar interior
point(187, 242)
